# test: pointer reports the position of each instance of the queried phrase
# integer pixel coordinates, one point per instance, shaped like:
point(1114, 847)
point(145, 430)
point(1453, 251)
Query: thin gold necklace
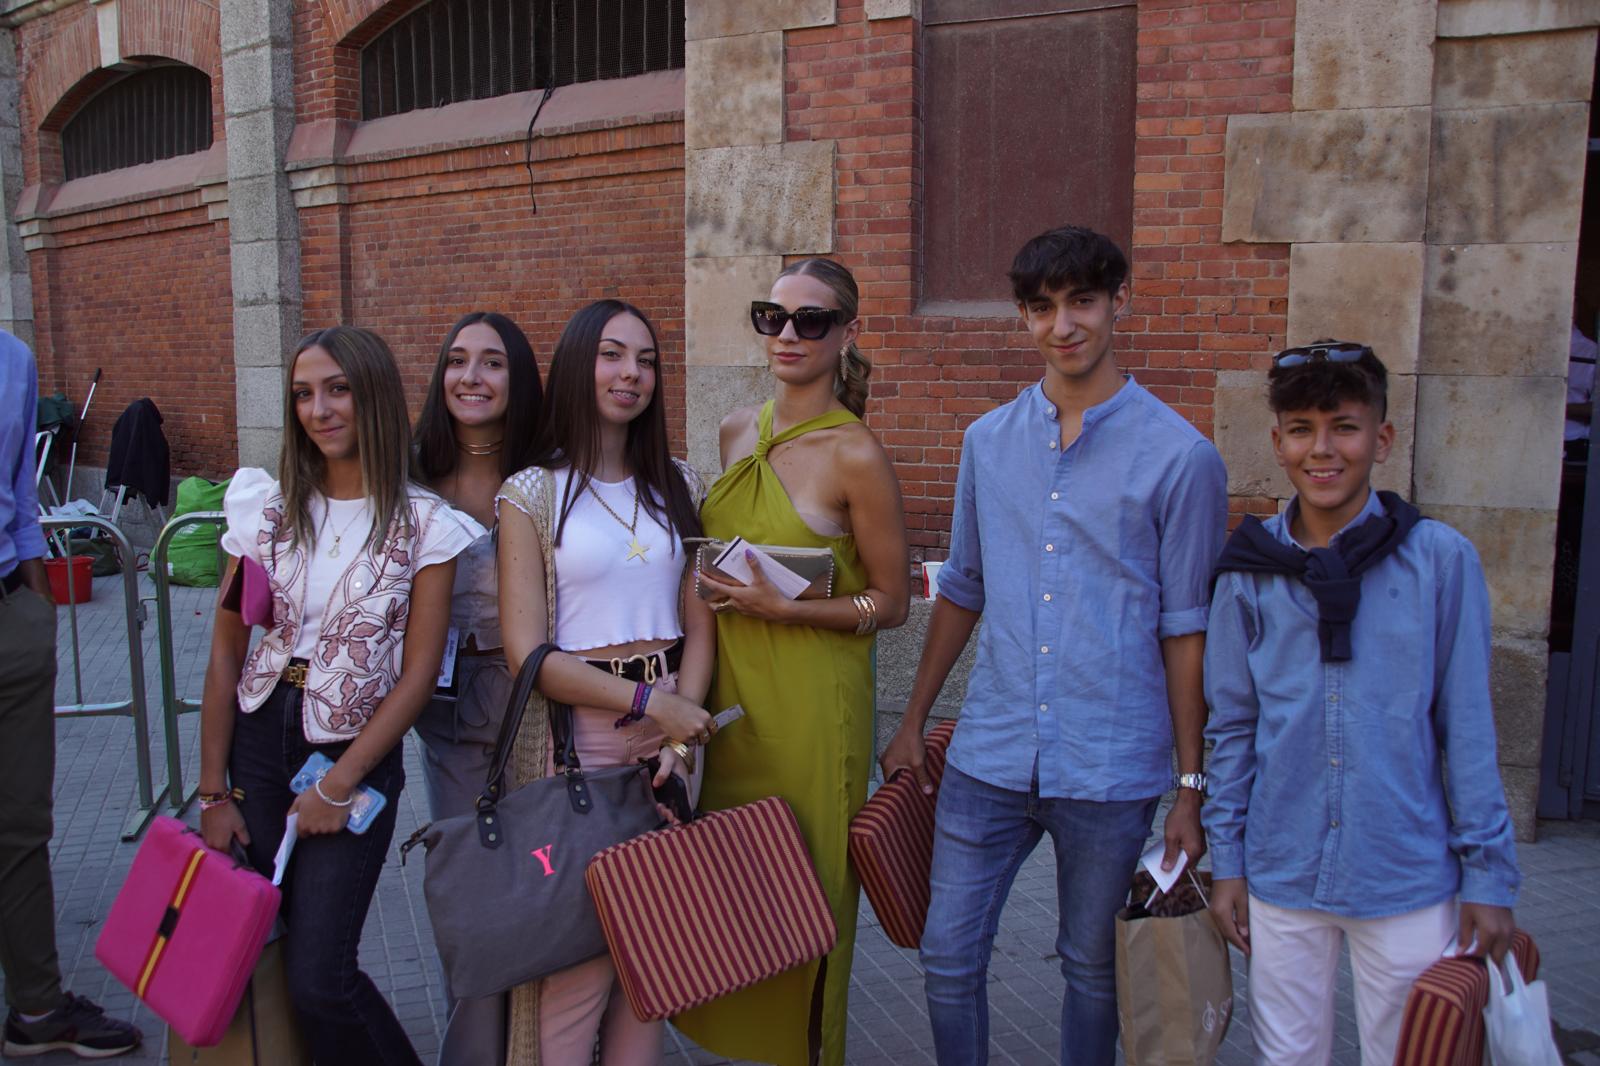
point(479, 449)
point(634, 547)
point(333, 551)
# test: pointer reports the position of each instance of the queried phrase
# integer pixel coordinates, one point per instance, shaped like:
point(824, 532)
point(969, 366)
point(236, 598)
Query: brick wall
point(143, 292)
point(427, 239)
point(138, 288)
point(1198, 305)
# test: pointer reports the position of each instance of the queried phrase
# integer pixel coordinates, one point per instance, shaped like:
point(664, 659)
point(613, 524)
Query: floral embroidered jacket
point(358, 652)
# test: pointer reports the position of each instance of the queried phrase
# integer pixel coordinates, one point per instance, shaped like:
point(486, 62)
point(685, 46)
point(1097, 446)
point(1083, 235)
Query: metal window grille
point(148, 115)
point(452, 50)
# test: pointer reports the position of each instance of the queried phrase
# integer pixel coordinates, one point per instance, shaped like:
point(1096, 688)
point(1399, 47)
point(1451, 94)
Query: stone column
point(263, 232)
point(16, 285)
point(750, 199)
point(1510, 133)
point(1429, 182)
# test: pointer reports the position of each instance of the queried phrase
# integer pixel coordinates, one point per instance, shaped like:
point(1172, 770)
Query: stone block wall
point(1430, 181)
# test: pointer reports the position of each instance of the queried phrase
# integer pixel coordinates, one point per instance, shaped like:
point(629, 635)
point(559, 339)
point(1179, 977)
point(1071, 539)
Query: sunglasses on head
point(810, 323)
point(1331, 351)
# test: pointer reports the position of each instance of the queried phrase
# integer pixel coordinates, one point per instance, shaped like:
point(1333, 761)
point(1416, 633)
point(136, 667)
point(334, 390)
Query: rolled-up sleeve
point(1480, 825)
point(1231, 725)
point(1194, 519)
point(26, 537)
point(961, 577)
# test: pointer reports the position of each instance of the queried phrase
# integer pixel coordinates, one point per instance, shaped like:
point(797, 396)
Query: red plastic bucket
point(82, 578)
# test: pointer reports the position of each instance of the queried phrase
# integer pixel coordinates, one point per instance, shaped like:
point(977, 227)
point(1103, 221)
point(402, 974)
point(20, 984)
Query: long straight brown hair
point(383, 435)
point(569, 428)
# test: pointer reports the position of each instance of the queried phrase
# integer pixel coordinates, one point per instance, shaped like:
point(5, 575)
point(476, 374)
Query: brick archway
point(65, 71)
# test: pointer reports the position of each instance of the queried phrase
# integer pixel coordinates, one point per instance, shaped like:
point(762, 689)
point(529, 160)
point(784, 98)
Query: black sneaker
point(77, 1026)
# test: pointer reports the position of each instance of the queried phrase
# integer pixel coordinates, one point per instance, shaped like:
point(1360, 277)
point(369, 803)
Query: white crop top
point(612, 587)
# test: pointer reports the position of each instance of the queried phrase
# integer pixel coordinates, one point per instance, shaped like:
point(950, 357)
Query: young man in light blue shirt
point(1088, 516)
point(1354, 789)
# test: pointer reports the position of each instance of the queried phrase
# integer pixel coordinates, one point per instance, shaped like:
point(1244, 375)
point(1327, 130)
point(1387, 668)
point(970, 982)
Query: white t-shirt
point(606, 592)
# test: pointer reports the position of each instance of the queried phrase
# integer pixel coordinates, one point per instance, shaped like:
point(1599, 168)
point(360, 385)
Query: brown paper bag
point(264, 1031)
point(1174, 984)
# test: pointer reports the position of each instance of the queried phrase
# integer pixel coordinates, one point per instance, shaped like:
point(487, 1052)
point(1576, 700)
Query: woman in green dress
point(803, 471)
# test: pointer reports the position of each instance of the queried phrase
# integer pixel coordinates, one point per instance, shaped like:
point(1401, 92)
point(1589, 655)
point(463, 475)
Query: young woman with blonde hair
point(802, 470)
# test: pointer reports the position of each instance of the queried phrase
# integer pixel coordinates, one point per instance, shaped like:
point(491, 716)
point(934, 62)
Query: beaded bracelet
point(641, 697)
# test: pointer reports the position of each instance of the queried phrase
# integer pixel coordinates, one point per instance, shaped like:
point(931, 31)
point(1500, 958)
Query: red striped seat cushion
point(1443, 1020)
point(694, 912)
point(891, 845)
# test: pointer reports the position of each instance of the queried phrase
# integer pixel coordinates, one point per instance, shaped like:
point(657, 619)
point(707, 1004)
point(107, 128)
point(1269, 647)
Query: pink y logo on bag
point(543, 855)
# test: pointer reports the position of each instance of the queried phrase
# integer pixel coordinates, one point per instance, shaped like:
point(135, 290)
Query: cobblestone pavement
point(95, 793)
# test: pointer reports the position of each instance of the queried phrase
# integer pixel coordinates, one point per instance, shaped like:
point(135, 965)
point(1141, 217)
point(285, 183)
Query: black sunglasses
point(810, 323)
point(1332, 351)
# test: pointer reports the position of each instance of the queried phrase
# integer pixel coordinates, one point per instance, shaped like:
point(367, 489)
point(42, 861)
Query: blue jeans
point(981, 836)
point(327, 889)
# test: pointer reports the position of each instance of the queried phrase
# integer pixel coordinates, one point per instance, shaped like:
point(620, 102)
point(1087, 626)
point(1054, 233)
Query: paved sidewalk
point(95, 791)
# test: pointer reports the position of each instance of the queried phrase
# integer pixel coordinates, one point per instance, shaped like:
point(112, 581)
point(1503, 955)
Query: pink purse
point(186, 930)
point(250, 593)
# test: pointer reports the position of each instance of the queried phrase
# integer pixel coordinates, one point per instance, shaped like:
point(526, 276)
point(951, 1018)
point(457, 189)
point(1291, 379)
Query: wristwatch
point(1194, 781)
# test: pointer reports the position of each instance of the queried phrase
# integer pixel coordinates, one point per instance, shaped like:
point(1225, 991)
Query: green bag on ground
point(192, 552)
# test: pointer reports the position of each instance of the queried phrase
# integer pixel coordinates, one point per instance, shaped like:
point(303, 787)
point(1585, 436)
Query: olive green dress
point(806, 736)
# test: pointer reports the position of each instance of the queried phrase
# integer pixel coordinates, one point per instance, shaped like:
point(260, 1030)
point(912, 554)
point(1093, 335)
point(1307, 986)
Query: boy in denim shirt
point(1087, 517)
point(1354, 790)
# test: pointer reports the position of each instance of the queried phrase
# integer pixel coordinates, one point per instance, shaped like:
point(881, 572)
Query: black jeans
point(327, 888)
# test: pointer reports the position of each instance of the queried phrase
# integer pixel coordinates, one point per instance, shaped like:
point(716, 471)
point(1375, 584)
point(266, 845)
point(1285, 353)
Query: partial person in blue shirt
point(40, 1016)
point(1354, 789)
point(1088, 516)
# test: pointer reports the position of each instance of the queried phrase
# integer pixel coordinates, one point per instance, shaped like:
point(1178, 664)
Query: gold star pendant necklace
point(635, 549)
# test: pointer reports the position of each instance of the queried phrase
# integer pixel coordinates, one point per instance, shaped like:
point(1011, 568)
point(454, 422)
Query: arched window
point(452, 50)
point(150, 114)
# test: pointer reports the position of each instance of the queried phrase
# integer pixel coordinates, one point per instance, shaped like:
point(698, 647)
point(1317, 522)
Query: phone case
point(368, 801)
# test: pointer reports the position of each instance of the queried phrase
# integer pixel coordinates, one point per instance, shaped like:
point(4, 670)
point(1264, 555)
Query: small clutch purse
point(250, 593)
point(813, 564)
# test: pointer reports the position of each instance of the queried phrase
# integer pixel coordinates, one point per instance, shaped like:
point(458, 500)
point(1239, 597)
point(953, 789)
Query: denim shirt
point(20, 536)
point(1332, 784)
point(1081, 561)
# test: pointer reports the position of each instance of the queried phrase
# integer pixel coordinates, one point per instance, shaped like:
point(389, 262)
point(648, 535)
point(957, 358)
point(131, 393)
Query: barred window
point(452, 50)
point(150, 114)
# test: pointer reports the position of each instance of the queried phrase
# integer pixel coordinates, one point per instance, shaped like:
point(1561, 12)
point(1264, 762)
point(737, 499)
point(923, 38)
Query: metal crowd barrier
point(135, 705)
point(179, 792)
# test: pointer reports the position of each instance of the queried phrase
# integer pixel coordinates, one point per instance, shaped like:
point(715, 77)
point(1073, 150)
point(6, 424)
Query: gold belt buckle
point(295, 674)
point(619, 665)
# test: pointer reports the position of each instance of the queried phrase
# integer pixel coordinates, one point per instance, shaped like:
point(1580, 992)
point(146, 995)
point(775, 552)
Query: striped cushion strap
point(169, 921)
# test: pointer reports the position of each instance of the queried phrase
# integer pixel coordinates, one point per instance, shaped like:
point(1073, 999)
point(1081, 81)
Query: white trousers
point(1294, 961)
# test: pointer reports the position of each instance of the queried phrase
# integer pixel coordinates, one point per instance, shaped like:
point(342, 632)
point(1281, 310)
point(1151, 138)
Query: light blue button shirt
point(20, 536)
point(1327, 789)
point(1081, 561)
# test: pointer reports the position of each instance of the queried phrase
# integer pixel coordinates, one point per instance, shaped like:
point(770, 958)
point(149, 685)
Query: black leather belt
point(646, 668)
point(13, 581)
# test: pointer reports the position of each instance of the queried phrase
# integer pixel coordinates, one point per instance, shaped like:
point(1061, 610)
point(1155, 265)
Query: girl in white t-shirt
point(609, 508)
point(359, 562)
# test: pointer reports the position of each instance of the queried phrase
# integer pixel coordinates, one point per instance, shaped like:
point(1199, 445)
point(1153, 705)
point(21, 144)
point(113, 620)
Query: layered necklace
point(635, 549)
point(479, 449)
